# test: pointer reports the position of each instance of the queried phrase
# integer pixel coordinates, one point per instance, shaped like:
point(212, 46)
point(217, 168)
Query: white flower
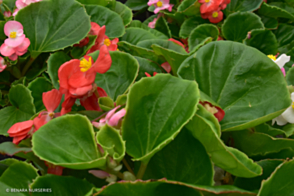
point(287, 116)
point(281, 61)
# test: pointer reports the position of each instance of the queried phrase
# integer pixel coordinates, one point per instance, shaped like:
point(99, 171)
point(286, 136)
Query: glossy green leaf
point(290, 76)
point(162, 26)
point(105, 103)
point(201, 35)
point(242, 6)
point(22, 108)
point(125, 12)
point(111, 141)
point(251, 184)
point(159, 99)
point(146, 66)
point(120, 76)
point(79, 52)
point(61, 185)
point(280, 182)
point(104, 16)
point(255, 143)
point(166, 44)
point(236, 85)
point(173, 58)
point(10, 148)
point(171, 188)
point(189, 7)
point(54, 62)
point(285, 36)
point(183, 160)
point(2, 34)
point(204, 127)
point(190, 24)
point(10, 4)
point(107, 3)
point(53, 30)
point(38, 87)
point(263, 40)
point(274, 11)
point(269, 130)
point(269, 22)
point(238, 24)
point(68, 141)
point(24, 173)
point(137, 4)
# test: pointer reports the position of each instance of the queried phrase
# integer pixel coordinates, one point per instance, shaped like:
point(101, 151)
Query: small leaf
point(11, 149)
point(150, 130)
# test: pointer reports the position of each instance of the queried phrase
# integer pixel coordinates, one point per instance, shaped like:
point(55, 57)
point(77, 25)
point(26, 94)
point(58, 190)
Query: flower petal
point(51, 100)
point(12, 26)
point(104, 61)
point(116, 117)
point(282, 60)
point(15, 42)
point(288, 114)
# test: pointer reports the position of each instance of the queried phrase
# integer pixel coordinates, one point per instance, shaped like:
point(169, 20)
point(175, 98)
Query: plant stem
point(142, 170)
point(128, 166)
point(27, 66)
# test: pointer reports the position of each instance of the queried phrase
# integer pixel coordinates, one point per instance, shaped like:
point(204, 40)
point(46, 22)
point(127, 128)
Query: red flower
point(209, 5)
point(20, 131)
point(225, 3)
point(54, 169)
point(93, 31)
point(148, 75)
point(215, 110)
point(213, 17)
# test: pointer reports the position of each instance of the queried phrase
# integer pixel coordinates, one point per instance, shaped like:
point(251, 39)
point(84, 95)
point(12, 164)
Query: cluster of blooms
point(101, 40)
point(16, 44)
point(23, 3)
point(211, 9)
point(160, 5)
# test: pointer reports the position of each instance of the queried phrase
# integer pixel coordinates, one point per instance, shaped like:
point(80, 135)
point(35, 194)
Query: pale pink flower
point(7, 14)
point(160, 5)
point(112, 118)
point(13, 52)
point(14, 31)
point(23, 3)
point(2, 64)
point(152, 24)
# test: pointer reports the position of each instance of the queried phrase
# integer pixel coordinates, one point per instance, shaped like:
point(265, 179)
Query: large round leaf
point(53, 25)
point(160, 100)
point(190, 24)
point(238, 24)
point(104, 16)
point(22, 108)
point(275, 11)
point(122, 73)
point(242, 6)
point(248, 85)
point(68, 141)
point(205, 127)
point(186, 151)
point(125, 12)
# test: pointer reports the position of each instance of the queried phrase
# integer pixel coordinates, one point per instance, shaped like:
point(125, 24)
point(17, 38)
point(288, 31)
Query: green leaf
point(205, 127)
point(68, 141)
point(279, 182)
point(111, 141)
point(170, 188)
point(22, 108)
point(269, 130)
point(134, 35)
point(173, 58)
point(10, 4)
point(274, 12)
point(125, 12)
point(201, 35)
point(105, 103)
point(263, 40)
point(53, 25)
point(238, 24)
point(137, 4)
point(251, 184)
point(255, 143)
point(235, 85)
point(288, 129)
point(242, 6)
point(190, 24)
point(24, 173)
point(269, 23)
point(159, 99)
point(169, 45)
point(54, 62)
point(189, 7)
point(2, 34)
point(104, 16)
point(120, 76)
point(79, 52)
point(162, 26)
point(61, 185)
point(290, 76)
point(146, 66)
point(107, 3)
point(10, 148)
point(285, 35)
point(186, 152)
point(38, 87)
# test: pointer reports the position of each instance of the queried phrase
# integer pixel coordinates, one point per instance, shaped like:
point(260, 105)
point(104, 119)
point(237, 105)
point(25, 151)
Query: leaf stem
point(128, 166)
point(142, 170)
point(27, 66)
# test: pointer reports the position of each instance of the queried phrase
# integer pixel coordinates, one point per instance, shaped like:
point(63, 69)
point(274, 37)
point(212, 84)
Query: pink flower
point(23, 3)
point(14, 31)
point(152, 24)
point(2, 64)
point(13, 53)
point(7, 14)
point(160, 5)
point(112, 118)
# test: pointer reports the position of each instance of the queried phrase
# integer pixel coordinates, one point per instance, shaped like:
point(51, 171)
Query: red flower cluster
point(211, 9)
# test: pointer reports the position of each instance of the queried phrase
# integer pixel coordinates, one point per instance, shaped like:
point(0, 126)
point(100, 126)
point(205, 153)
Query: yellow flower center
point(212, 110)
point(12, 34)
point(107, 42)
point(85, 65)
point(215, 14)
point(207, 1)
point(292, 105)
point(272, 57)
point(159, 4)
